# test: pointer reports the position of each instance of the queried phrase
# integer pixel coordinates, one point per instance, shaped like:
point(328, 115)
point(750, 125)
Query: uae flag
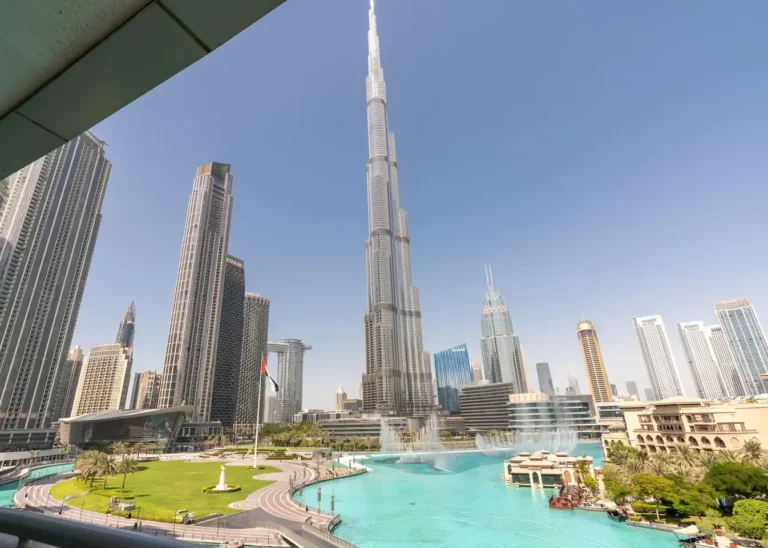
point(264, 371)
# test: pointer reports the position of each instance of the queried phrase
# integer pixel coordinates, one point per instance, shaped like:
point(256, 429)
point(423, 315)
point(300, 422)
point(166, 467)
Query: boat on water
point(617, 515)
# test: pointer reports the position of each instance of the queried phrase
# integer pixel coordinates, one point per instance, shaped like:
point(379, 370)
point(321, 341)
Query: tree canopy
point(735, 479)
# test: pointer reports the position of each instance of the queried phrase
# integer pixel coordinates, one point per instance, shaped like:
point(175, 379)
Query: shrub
point(635, 517)
point(209, 490)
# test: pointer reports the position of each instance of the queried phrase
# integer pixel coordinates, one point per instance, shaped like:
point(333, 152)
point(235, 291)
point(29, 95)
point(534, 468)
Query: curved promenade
point(274, 501)
point(37, 495)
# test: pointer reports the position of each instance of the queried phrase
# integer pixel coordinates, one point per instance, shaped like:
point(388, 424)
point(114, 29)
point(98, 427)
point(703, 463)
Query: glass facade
point(746, 341)
point(453, 373)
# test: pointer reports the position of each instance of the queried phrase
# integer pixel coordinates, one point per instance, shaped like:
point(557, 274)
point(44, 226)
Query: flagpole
point(258, 416)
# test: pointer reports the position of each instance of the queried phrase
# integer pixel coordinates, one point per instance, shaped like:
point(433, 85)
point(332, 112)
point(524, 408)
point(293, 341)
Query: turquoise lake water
point(419, 506)
point(9, 490)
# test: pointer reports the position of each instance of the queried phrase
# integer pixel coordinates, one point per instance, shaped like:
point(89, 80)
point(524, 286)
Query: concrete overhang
point(65, 65)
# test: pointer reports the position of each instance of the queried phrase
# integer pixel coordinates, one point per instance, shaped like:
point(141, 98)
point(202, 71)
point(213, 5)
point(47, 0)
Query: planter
point(230, 489)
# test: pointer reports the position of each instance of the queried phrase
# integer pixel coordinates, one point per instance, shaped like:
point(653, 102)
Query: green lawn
point(162, 487)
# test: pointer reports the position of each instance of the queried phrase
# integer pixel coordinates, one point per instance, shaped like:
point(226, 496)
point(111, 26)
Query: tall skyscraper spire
point(397, 380)
point(502, 353)
point(127, 328)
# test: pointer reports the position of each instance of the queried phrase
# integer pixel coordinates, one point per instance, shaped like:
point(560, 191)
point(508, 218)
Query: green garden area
point(714, 490)
point(160, 488)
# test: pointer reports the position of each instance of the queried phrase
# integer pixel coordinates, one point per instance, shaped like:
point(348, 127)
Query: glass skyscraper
point(397, 379)
point(502, 355)
point(452, 372)
point(746, 340)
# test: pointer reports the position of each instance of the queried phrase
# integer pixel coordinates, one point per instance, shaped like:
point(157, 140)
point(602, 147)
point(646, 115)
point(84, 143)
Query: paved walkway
point(37, 496)
point(275, 499)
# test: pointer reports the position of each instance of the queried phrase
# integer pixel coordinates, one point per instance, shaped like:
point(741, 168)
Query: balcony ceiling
point(68, 64)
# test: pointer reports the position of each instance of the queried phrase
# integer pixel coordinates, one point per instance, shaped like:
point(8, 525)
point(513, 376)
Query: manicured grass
point(162, 487)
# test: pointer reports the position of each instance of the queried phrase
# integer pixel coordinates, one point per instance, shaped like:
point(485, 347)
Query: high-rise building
point(190, 356)
point(47, 236)
point(657, 355)
point(649, 394)
point(726, 361)
point(747, 342)
point(70, 376)
point(614, 391)
point(255, 336)
point(632, 389)
point(127, 328)
point(146, 390)
point(594, 365)
point(700, 356)
point(229, 350)
point(573, 386)
point(341, 397)
point(477, 370)
point(290, 376)
point(396, 381)
point(545, 378)
point(452, 373)
point(104, 380)
point(106, 372)
point(502, 355)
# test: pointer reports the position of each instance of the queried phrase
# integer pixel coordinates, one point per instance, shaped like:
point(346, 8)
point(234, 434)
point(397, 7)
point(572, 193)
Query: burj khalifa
point(397, 379)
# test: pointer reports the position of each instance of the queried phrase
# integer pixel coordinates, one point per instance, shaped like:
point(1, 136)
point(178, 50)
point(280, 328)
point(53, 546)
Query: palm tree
point(87, 465)
point(139, 449)
point(688, 474)
point(726, 455)
point(752, 452)
point(582, 469)
point(633, 466)
point(643, 457)
point(707, 459)
point(106, 466)
point(125, 467)
point(684, 457)
point(120, 448)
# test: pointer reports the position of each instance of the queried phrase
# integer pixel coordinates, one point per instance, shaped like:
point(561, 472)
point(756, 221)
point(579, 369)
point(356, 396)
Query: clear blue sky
point(602, 156)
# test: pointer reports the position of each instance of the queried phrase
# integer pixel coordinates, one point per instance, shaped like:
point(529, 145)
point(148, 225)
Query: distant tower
point(592, 355)
point(452, 373)
point(726, 361)
point(659, 362)
point(545, 378)
point(614, 391)
point(190, 356)
point(147, 390)
point(127, 328)
point(700, 356)
point(747, 342)
point(632, 389)
point(502, 355)
point(340, 397)
point(106, 373)
point(70, 376)
point(573, 386)
point(290, 376)
point(649, 394)
point(477, 370)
